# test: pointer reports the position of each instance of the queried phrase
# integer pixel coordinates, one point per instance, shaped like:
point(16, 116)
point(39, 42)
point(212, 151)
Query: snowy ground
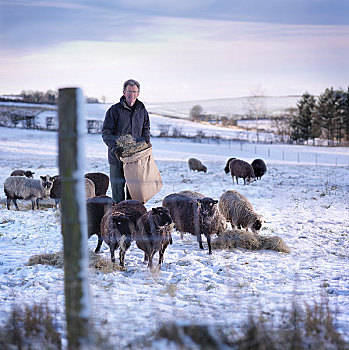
point(303, 199)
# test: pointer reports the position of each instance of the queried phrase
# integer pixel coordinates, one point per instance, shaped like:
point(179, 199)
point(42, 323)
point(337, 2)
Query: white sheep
point(21, 187)
point(236, 208)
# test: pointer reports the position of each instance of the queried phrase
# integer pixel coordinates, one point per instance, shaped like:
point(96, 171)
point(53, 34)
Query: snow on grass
point(303, 203)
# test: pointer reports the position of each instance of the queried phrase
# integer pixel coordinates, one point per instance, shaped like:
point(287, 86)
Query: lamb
point(115, 231)
point(195, 164)
point(96, 207)
point(236, 208)
point(20, 172)
point(153, 234)
point(259, 168)
point(240, 168)
point(56, 189)
point(226, 168)
point(194, 213)
point(101, 182)
point(21, 187)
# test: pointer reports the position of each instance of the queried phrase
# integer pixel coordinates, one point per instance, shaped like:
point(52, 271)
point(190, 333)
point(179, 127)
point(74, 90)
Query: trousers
point(118, 182)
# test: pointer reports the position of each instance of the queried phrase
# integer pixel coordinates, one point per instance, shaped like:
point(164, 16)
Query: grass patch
point(30, 327)
point(310, 327)
point(235, 238)
point(96, 262)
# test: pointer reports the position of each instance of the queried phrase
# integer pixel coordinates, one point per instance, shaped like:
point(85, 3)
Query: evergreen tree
point(326, 113)
point(342, 115)
point(306, 108)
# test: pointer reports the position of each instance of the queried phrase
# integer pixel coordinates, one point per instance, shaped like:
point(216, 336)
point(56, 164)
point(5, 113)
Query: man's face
point(131, 94)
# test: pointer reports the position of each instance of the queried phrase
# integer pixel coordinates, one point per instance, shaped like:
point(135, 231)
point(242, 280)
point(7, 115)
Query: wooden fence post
point(74, 217)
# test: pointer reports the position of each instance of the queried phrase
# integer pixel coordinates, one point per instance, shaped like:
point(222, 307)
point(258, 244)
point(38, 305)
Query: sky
point(178, 50)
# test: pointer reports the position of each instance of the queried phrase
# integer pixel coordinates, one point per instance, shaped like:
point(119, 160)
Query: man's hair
point(131, 82)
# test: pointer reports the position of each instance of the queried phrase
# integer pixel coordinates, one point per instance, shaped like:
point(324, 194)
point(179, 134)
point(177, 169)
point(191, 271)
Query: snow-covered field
point(303, 199)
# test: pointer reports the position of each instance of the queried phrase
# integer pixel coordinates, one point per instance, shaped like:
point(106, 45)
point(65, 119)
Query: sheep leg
point(198, 237)
point(145, 258)
point(150, 261)
point(209, 244)
point(161, 254)
point(37, 203)
point(8, 202)
point(113, 247)
point(123, 248)
point(15, 203)
point(99, 244)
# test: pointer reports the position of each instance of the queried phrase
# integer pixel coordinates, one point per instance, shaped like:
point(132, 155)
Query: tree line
point(41, 97)
point(324, 117)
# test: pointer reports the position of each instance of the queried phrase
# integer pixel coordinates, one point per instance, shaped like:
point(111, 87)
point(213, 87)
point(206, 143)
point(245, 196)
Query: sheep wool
point(195, 164)
point(153, 233)
point(21, 187)
point(236, 208)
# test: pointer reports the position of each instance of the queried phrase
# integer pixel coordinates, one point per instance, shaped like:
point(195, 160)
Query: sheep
point(90, 188)
point(101, 182)
point(21, 187)
point(226, 168)
point(20, 172)
point(55, 192)
point(115, 231)
point(259, 168)
point(96, 207)
point(236, 208)
point(194, 213)
point(131, 210)
point(195, 164)
point(153, 233)
point(240, 168)
point(56, 189)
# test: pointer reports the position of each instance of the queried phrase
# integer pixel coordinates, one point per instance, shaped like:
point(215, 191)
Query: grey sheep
point(131, 210)
point(236, 208)
point(240, 168)
point(194, 213)
point(226, 168)
point(56, 189)
point(195, 164)
point(21, 187)
point(115, 231)
point(96, 207)
point(259, 168)
point(20, 172)
point(153, 233)
point(101, 182)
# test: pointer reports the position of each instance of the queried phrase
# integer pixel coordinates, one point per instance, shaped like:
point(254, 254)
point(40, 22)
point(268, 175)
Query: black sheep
point(259, 168)
point(101, 182)
point(226, 168)
point(153, 233)
point(96, 208)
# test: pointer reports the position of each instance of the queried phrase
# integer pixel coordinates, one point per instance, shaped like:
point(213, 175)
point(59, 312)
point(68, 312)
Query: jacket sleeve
point(108, 131)
point(146, 127)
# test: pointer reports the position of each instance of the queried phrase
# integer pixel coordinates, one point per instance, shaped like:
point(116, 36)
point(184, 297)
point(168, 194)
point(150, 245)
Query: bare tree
point(256, 106)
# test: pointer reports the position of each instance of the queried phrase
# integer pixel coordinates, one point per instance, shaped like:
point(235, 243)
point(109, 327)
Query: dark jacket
point(121, 119)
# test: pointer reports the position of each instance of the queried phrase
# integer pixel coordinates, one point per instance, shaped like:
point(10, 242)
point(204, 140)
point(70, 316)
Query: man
point(129, 116)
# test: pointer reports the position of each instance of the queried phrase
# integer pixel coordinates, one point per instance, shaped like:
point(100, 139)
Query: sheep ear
point(154, 210)
point(215, 201)
point(42, 178)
